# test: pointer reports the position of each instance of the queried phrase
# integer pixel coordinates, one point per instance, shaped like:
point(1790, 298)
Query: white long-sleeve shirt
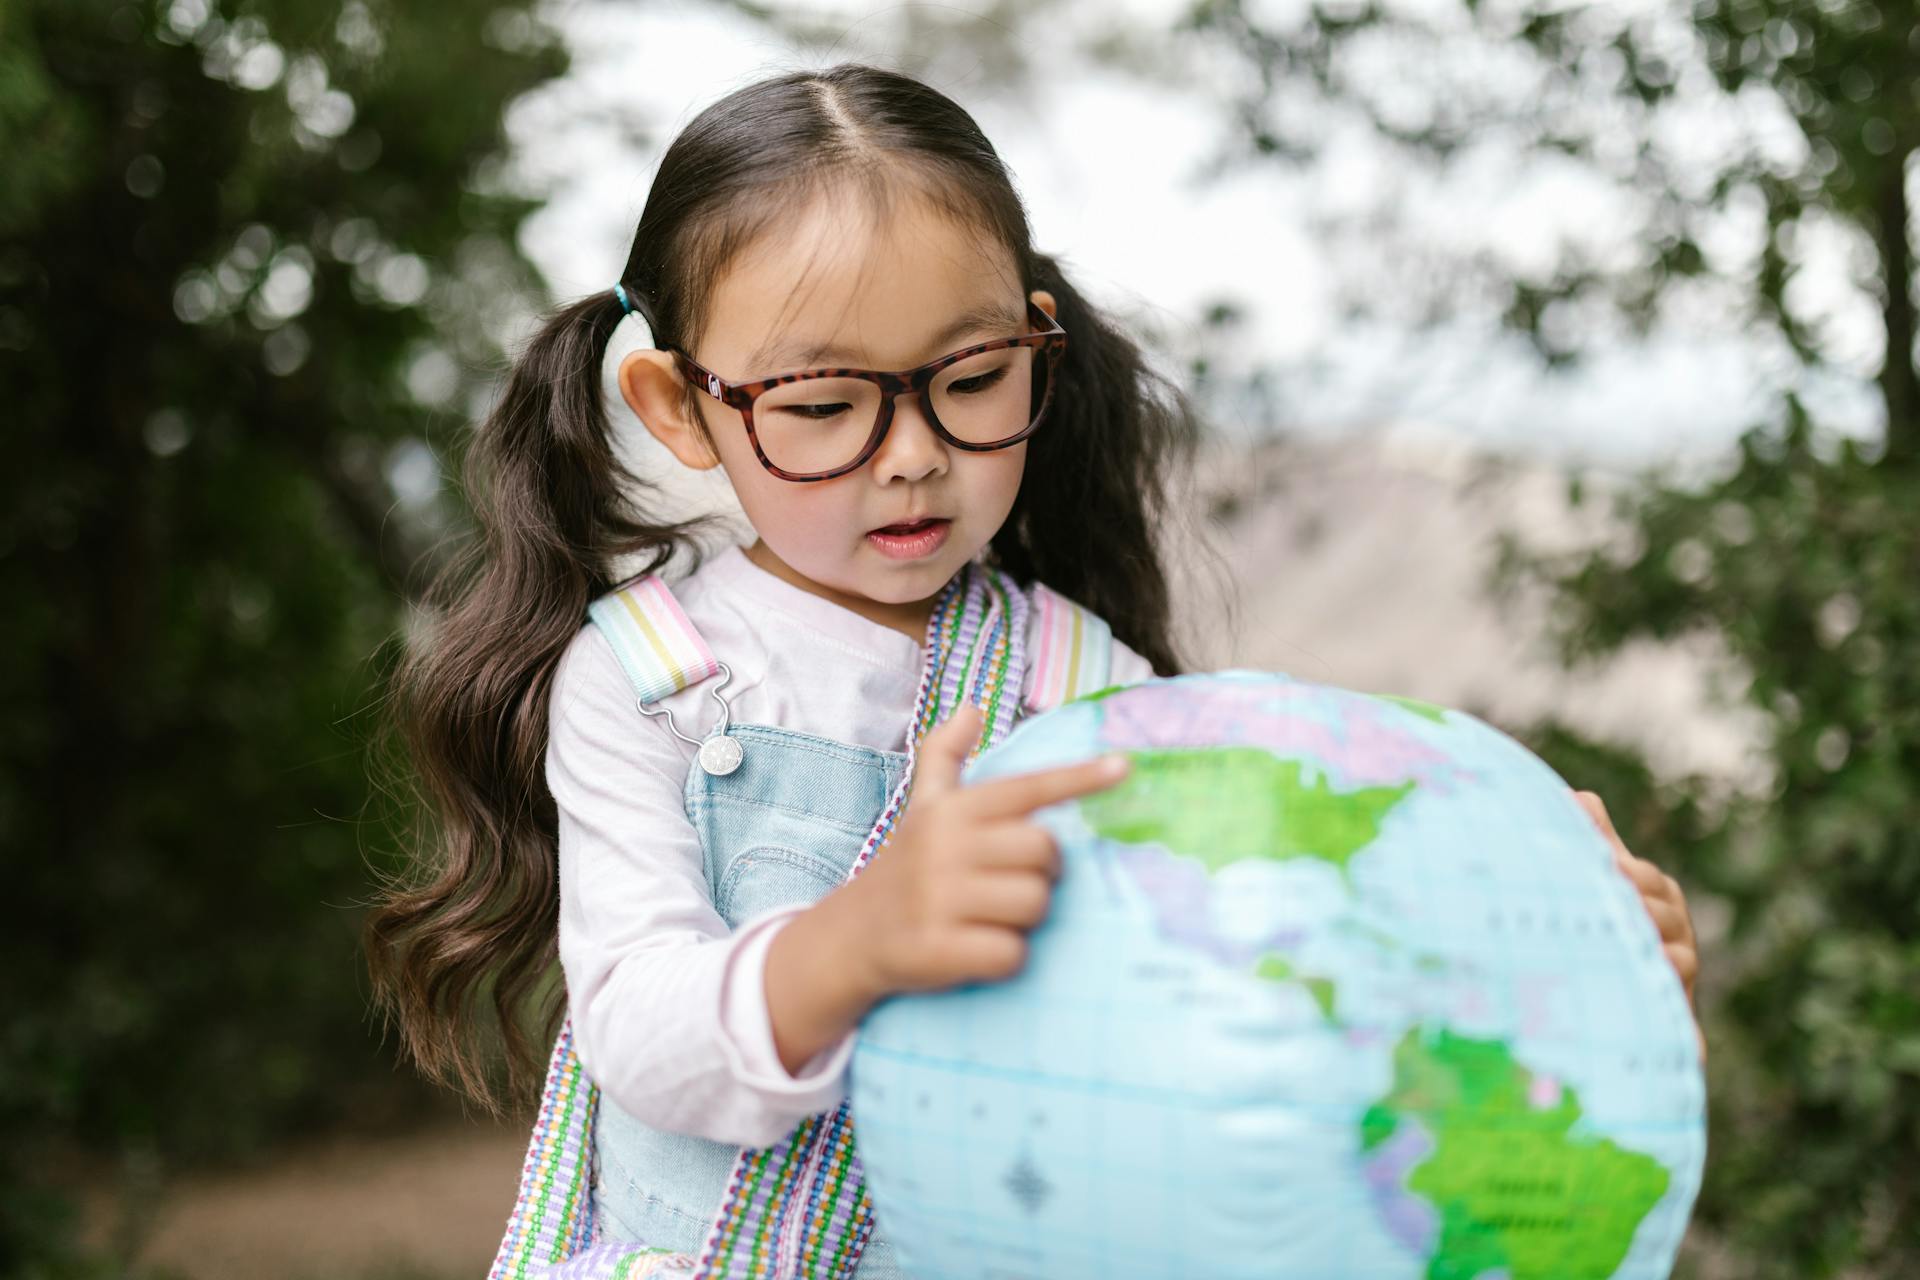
point(669, 1014)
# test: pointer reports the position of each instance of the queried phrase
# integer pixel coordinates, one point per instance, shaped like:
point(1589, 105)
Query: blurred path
point(423, 1207)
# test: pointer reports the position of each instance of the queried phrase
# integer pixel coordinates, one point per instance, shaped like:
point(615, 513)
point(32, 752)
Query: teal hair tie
point(634, 317)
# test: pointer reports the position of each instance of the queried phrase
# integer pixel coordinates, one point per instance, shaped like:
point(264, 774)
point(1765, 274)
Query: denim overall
point(782, 827)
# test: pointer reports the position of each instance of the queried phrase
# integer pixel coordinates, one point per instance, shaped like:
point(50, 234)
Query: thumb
point(943, 752)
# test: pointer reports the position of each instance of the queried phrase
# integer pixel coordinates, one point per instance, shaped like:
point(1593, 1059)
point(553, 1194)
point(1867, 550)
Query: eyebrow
point(803, 353)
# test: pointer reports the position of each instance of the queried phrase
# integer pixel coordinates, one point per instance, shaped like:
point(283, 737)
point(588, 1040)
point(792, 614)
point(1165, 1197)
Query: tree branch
point(1899, 380)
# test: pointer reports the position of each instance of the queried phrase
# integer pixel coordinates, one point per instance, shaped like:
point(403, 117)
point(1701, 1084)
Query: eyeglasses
point(822, 423)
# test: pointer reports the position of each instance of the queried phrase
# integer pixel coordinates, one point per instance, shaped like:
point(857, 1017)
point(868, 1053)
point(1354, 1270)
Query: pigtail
point(475, 925)
point(1098, 477)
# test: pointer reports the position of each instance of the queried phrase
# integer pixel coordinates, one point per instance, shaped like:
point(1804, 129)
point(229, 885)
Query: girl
point(674, 798)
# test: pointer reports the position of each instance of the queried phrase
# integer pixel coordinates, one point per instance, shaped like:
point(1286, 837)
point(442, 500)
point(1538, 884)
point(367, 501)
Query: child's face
point(877, 298)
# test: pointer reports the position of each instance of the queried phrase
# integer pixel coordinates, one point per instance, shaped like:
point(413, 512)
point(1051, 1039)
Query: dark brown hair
point(475, 923)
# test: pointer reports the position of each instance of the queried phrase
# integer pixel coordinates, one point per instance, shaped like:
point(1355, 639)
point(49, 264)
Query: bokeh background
point(1559, 362)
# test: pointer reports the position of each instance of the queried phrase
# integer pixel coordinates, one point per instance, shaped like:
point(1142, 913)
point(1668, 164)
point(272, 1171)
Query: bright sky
point(1106, 165)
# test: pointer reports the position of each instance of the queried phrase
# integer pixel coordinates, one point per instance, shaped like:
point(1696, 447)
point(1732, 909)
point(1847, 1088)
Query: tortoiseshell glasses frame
point(1050, 341)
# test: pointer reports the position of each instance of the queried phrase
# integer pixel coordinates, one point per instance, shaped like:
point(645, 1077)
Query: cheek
point(994, 479)
point(794, 518)
point(760, 492)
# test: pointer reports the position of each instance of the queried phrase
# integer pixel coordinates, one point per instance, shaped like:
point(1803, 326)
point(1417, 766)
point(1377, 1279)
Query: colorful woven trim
point(553, 1232)
point(650, 634)
point(800, 1208)
point(552, 1214)
point(1073, 650)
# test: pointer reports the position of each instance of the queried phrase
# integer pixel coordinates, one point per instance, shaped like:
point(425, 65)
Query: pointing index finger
point(1025, 792)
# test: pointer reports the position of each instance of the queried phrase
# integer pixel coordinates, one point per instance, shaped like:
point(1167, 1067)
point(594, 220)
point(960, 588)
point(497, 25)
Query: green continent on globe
point(1425, 710)
point(1515, 1190)
point(1222, 805)
point(1274, 967)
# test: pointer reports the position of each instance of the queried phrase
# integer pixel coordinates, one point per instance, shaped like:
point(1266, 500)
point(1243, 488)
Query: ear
point(1045, 302)
point(652, 386)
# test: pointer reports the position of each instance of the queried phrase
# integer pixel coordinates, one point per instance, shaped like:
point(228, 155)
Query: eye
point(979, 382)
point(816, 412)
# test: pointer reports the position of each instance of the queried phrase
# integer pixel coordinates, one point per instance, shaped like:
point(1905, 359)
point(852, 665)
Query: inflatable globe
point(1333, 985)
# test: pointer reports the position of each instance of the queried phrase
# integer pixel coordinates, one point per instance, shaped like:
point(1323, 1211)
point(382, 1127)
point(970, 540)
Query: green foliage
point(1667, 108)
point(1807, 567)
point(243, 249)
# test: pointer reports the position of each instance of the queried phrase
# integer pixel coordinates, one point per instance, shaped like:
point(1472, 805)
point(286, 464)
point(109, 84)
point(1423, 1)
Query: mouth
point(910, 527)
point(911, 540)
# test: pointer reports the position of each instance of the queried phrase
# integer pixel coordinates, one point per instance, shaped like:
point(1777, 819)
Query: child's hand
point(965, 874)
point(1661, 896)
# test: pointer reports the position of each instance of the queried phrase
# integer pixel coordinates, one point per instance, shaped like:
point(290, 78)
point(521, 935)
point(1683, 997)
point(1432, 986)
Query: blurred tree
point(1807, 566)
point(1740, 149)
point(253, 253)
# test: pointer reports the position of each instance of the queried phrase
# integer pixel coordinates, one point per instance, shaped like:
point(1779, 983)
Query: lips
point(910, 527)
point(911, 541)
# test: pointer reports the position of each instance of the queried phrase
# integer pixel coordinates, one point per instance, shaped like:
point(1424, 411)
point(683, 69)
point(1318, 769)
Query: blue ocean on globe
point(1332, 985)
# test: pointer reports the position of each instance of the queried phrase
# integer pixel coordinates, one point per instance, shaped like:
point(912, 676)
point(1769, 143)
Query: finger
point(1650, 880)
point(1015, 898)
point(1685, 961)
point(1025, 792)
point(1597, 810)
point(1017, 845)
point(1669, 920)
point(943, 752)
point(986, 953)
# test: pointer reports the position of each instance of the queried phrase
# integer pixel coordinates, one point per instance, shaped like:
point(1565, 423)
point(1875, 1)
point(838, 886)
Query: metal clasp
point(718, 753)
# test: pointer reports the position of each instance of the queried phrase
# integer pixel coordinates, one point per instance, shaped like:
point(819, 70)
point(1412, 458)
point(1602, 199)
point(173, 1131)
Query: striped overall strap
point(553, 1231)
point(650, 634)
point(1070, 653)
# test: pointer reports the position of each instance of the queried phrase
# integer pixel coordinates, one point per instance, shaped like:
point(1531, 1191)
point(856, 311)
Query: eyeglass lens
point(819, 424)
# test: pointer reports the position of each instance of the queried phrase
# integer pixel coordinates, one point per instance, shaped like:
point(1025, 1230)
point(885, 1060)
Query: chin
point(903, 582)
point(905, 585)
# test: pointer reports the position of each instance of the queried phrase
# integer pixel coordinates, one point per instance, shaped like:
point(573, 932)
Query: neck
point(908, 617)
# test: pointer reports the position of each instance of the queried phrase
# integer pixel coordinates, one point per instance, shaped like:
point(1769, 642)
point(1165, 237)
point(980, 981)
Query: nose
point(912, 449)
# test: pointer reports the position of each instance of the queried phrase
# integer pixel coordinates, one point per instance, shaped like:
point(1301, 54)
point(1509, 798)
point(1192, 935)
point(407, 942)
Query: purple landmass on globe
point(1409, 1219)
point(1368, 750)
point(1179, 891)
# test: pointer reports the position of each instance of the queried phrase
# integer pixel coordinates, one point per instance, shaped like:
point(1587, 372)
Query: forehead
point(838, 283)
